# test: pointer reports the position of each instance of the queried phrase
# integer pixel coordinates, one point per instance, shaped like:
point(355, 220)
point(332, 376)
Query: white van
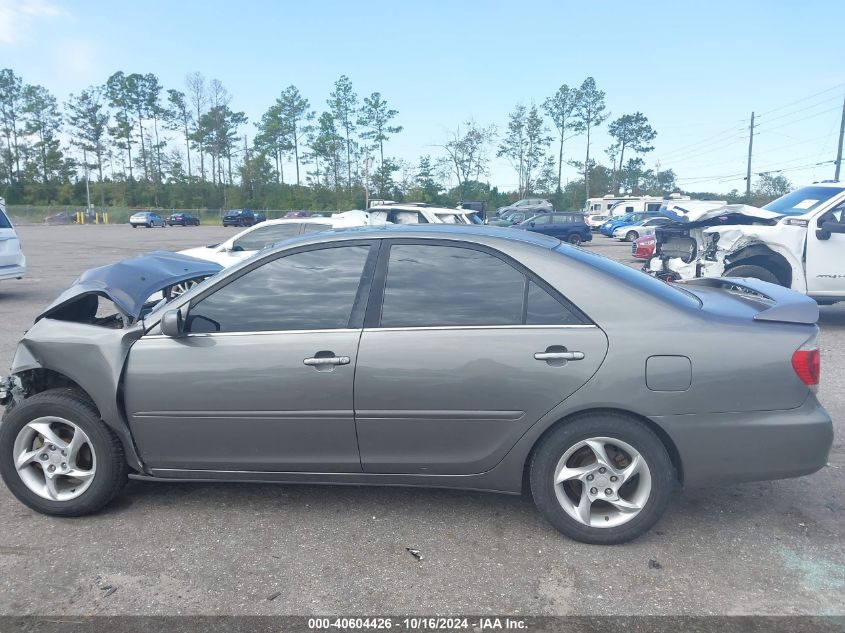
point(611, 205)
point(12, 259)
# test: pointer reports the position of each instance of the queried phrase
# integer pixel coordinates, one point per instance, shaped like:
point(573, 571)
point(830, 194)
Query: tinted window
point(444, 285)
point(4, 221)
point(305, 291)
point(543, 309)
point(266, 235)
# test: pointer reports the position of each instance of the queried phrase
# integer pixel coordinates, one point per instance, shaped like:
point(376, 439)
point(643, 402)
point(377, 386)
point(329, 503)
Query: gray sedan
point(459, 357)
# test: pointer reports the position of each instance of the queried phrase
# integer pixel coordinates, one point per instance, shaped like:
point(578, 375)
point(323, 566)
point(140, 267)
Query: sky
point(696, 69)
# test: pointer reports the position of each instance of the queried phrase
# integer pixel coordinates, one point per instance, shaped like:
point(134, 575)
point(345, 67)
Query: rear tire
point(657, 478)
point(107, 460)
point(755, 272)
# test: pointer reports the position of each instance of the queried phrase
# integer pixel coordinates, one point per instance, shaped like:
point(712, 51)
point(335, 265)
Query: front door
point(826, 255)
point(461, 355)
point(263, 378)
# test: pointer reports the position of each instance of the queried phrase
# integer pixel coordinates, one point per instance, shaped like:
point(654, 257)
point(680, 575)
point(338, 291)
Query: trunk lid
point(758, 300)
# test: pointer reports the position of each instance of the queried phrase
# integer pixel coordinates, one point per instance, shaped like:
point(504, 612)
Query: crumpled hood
point(130, 282)
point(701, 211)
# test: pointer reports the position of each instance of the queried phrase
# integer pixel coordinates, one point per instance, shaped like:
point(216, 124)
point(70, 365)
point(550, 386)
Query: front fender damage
point(730, 243)
point(88, 355)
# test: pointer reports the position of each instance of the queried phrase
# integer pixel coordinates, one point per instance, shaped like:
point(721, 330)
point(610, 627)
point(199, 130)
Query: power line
point(792, 103)
point(799, 110)
point(812, 116)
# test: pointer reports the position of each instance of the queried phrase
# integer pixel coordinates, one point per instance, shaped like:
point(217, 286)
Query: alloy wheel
point(602, 482)
point(54, 458)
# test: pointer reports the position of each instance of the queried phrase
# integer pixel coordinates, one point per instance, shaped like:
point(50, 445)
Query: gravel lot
point(765, 548)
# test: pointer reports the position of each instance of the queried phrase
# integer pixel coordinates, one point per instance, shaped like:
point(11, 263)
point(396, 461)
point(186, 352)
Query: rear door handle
point(547, 356)
point(316, 361)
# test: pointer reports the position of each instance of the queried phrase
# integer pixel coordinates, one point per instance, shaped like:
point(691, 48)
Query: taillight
point(807, 363)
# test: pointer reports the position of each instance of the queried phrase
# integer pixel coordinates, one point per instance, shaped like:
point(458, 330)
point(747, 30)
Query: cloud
point(18, 16)
point(77, 54)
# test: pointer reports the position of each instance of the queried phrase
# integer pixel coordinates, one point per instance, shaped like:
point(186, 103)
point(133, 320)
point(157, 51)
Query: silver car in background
point(361, 357)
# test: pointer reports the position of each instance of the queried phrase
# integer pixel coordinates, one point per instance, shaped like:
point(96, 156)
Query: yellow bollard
point(105, 217)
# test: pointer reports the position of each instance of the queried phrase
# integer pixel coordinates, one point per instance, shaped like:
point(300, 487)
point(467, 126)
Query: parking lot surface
point(761, 548)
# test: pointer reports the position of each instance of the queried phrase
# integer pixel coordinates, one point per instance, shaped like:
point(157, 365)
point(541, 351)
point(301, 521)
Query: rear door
point(462, 351)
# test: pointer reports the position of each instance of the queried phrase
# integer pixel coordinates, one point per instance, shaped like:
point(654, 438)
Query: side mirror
point(532, 224)
point(172, 324)
point(822, 234)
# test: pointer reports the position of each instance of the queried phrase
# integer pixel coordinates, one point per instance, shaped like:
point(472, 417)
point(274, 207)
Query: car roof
point(473, 233)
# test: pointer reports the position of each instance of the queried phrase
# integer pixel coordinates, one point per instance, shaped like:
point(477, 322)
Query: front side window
point(542, 219)
point(312, 290)
point(264, 236)
point(435, 285)
point(4, 221)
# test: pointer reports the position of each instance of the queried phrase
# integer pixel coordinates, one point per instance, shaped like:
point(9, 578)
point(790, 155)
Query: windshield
point(802, 200)
point(626, 218)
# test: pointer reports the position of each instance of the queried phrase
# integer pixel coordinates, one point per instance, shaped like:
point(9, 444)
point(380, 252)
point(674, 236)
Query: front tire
point(755, 272)
point(58, 457)
point(574, 239)
point(602, 478)
point(631, 236)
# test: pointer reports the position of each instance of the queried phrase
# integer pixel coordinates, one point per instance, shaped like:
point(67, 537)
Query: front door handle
point(317, 361)
point(547, 356)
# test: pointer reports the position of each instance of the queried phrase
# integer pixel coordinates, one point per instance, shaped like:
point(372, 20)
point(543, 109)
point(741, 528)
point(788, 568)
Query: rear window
point(636, 278)
point(802, 200)
point(4, 221)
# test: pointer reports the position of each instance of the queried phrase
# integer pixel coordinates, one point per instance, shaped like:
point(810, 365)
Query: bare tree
point(195, 83)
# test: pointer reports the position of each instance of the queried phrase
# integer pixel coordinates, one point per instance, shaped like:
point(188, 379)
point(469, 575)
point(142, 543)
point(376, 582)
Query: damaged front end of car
point(81, 341)
point(699, 244)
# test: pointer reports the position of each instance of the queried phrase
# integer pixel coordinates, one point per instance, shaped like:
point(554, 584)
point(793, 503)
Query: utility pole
point(841, 134)
point(748, 171)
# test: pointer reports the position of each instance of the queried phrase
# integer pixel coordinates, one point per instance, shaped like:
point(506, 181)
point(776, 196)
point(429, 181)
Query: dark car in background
point(242, 217)
point(183, 219)
point(567, 227)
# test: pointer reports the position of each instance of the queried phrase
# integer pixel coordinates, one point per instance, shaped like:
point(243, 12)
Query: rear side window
point(541, 308)
point(266, 235)
point(4, 221)
point(312, 290)
point(434, 285)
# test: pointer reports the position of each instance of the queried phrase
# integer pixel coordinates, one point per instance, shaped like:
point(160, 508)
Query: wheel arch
point(662, 435)
point(35, 380)
point(761, 255)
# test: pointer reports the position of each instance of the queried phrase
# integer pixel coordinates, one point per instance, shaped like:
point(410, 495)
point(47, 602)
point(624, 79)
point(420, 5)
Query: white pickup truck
point(797, 241)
